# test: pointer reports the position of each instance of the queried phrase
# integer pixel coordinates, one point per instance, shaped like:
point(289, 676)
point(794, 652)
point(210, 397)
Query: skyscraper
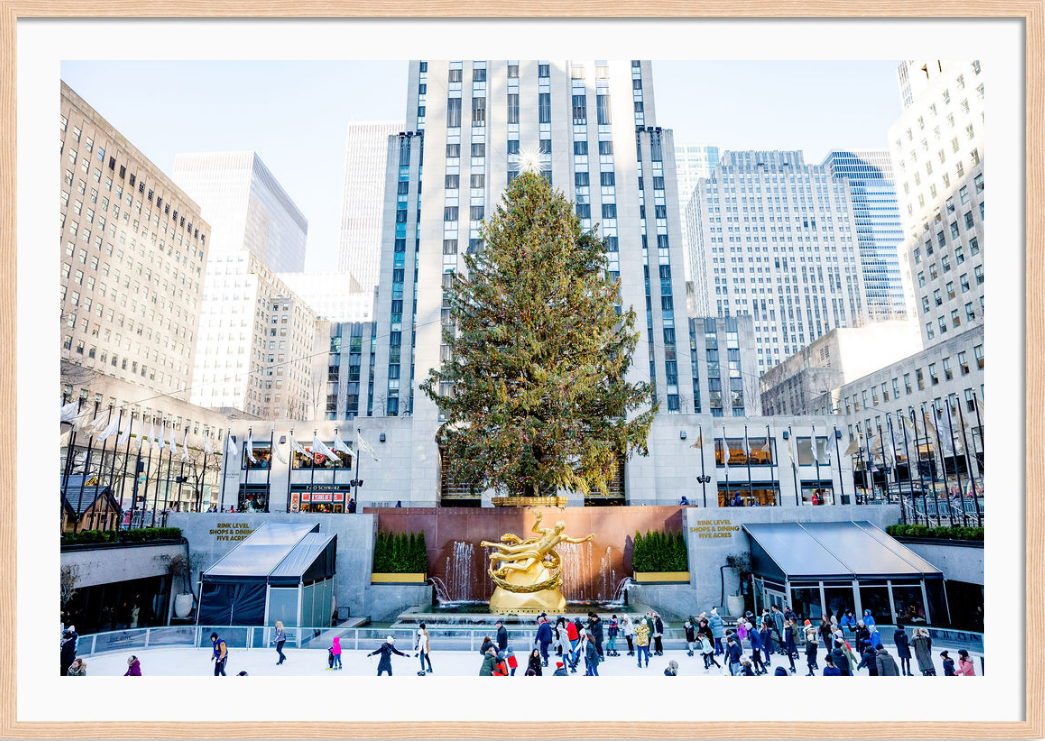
point(246, 207)
point(590, 128)
point(876, 215)
point(775, 238)
point(366, 155)
point(692, 162)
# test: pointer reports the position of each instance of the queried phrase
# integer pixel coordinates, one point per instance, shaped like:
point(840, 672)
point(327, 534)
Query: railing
point(443, 638)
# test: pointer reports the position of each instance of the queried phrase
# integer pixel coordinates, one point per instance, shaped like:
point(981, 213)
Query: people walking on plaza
point(77, 669)
point(628, 629)
point(611, 632)
point(840, 660)
point(734, 652)
point(502, 636)
point(691, 637)
point(544, 638)
point(658, 635)
point(948, 664)
point(886, 664)
point(718, 630)
point(68, 652)
point(708, 652)
point(672, 670)
point(756, 649)
point(965, 666)
point(489, 659)
point(220, 655)
point(537, 662)
point(923, 645)
point(279, 637)
point(386, 650)
point(596, 630)
point(423, 646)
point(830, 670)
point(812, 645)
point(642, 638)
point(591, 656)
point(134, 667)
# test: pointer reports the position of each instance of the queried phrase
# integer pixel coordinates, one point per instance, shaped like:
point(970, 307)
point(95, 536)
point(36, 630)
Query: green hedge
point(124, 536)
point(399, 553)
point(659, 551)
point(942, 533)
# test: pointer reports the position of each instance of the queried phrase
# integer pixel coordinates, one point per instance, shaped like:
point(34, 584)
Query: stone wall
point(108, 565)
point(959, 561)
point(386, 601)
point(211, 536)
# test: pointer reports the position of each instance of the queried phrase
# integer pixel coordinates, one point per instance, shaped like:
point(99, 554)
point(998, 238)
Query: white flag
point(230, 444)
point(250, 446)
point(319, 447)
point(277, 449)
point(368, 448)
point(161, 442)
point(185, 445)
point(99, 422)
point(725, 449)
point(340, 446)
point(152, 433)
point(70, 411)
point(946, 429)
point(208, 447)
point(124, 435)
point(747, 447)
point(174, 443)
point(111, 429)
point(297, 447)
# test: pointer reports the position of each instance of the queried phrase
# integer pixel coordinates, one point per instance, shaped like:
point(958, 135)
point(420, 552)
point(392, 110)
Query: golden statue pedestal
point(528, 573)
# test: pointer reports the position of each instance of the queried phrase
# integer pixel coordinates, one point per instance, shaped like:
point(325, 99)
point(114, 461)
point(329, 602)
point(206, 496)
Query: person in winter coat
point(77, 669)
point(886, 664)
point(510, 660)
point(868, 619)
point(68, 652)
point(756, 650)
point(948, 665)
point(672, 669)
point(335, 652)
point(591, 656)
point(486, 645)
point(658, 635)
point(611, 632)
point(134, 667)
point(869, 659)
point(544, 639)
point(691, 637)
point(779, 620)
point(279, 637)
point(386, 650)
point(923, 645)
point(536, 662)
point(220, 656)
point(489, 659)
point(830, 670)
point(765, 637)
point(595, 628)
point(848, 621)
point(708, 652)
point(628, 628)
point(502, 636)
point(563, 642)
point(742, 630)
point(642, 643)
point(965, 666)
point(875, 639)
point(840, 660)
point(812, 645)
point(718, 630)
point(500, 666)
point(862, 636)
point(826, 634)
point(744, 668)
point(560, 670)
point(790, 643)
point(423, 646)
point(903, 649)
point(734, 653)
point(573, 630)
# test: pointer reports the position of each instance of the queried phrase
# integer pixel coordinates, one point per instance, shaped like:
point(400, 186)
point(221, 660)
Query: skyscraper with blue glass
point(590, 128)
point(879, 234)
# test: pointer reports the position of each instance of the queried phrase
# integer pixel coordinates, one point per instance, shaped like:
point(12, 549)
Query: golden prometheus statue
point(529, 572)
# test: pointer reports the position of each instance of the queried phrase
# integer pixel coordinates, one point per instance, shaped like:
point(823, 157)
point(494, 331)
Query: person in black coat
point(544, 639)
point(595, 628)
point(68, 647)
point(870, 660)
point(487, 644)
point(502, 636)
point(903, 649)
point(535, 663)
point(863, 636)
point(386, 650)
point(840, 660)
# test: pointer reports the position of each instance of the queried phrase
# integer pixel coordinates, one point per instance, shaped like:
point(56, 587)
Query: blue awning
point(833, 551)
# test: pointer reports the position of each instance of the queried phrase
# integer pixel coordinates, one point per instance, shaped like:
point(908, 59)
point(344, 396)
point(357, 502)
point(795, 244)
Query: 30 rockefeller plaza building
point(590, 127)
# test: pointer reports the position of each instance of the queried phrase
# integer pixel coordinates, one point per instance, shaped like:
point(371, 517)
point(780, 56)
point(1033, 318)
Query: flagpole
point(312, 479)
point(184, 455)
point(938, 451)
point(123, 474)
point(101, 465)
point(70, 453)
point(896, 468)
point(203, 480)
point(954, 458)
point(703, 471)
point(979, 425)
point(359, 466)
point(112, 465)
point(838, 458)
point(137, 470)
point(725, 447)
point(167, 491)
point(932, 468)
point(921, 476)
point(223, 469)
point(972, 481)
point(794, 465)
point(747, 459)
point(83, 478)
point(869, 469)
point(772, 474)
point(910, 473)
point(290, 473)
point(268, 477)
point(816, 456)
point(159, 473)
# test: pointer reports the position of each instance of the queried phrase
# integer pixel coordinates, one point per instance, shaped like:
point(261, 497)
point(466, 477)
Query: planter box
point(398, 578)
point(661, 577)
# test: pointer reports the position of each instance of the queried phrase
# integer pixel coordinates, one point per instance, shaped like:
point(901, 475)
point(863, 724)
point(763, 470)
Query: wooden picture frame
point(1032, 15)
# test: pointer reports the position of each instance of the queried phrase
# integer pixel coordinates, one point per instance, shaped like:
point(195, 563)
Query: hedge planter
point(661, 577)
point(378, 578)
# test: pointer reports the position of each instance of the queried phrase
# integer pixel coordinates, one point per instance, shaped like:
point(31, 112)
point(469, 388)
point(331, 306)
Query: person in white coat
point(423, 646)
point(628, 628)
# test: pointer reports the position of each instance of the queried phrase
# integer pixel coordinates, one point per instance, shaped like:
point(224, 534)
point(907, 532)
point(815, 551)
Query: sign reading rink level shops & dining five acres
point(706, 529)
point(231, 531)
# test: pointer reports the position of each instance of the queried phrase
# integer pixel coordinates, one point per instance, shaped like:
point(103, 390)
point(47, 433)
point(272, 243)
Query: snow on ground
point(181, 662)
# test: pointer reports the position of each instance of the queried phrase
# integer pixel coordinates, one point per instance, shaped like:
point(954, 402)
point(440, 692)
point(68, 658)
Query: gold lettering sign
point(708, 529)
point(230, 531)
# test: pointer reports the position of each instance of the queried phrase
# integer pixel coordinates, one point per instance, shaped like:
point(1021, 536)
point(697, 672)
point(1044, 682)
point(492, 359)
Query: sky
point(293, 114)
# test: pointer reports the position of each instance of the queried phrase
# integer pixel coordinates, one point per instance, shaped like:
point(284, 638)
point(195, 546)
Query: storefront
point(828, 568)
point(328, 499)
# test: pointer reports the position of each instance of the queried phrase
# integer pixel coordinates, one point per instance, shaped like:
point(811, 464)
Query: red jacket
point(500, 670)
point(512, 663)
point(571, 631)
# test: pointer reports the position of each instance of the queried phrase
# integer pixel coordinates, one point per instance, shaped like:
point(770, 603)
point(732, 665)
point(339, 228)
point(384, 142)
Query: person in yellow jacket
point(642, 642)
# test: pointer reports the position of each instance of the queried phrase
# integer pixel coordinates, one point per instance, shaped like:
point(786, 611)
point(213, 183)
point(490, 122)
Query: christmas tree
point(539, 354)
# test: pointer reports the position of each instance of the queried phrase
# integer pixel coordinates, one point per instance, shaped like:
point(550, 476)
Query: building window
point(453, 111)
